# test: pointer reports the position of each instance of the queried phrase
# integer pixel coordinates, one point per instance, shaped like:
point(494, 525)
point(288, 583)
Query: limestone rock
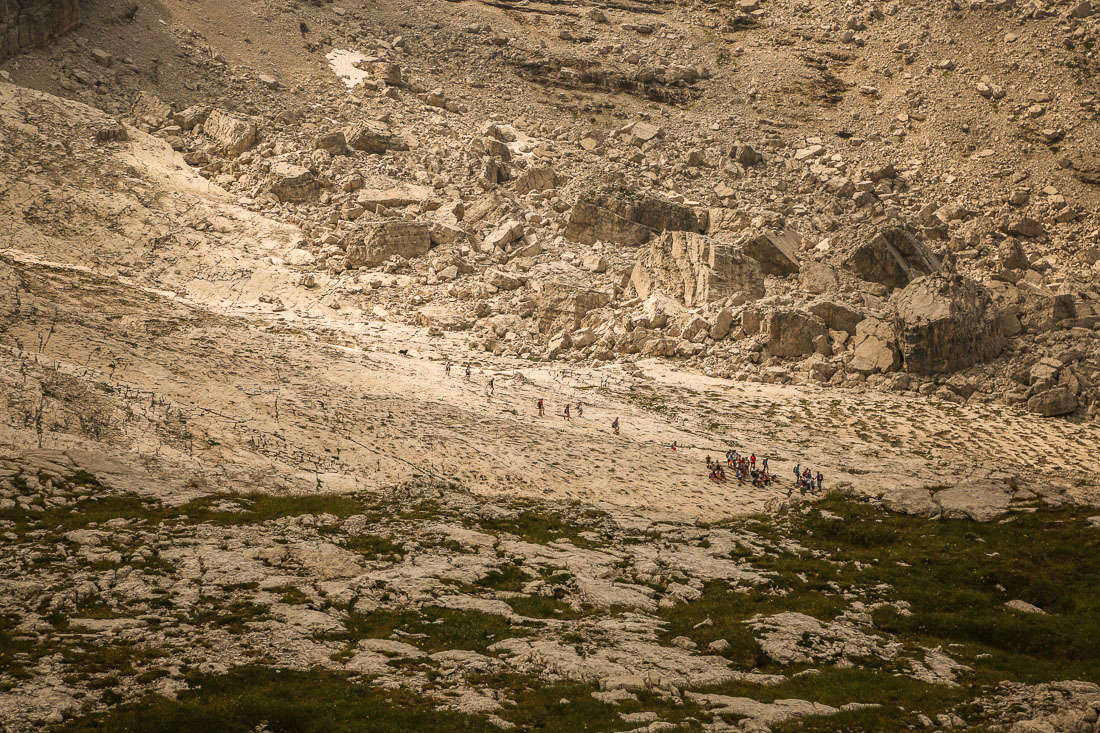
point(291, 182)
point(333, 143)
point(776, 252)
point(562, 304)
point(946, 323)
point(151, 109)
point(502, 280)
point(1041, 311)
point(875, 349)
point(1053, 402)
point(817, 277)
point(982, 502)
point(193, 116)
point(792, 332)
point(34, 22)
point(538, 178)
point(594, 262)
point(393, 197)
point(233, 134)
point(695, 269)
point(915, 502)
point(504, 234)
point(373, 137)
point(892, 258)
point(382, 240)
point(837, 317)
point(1023, 607)
point(624, 217)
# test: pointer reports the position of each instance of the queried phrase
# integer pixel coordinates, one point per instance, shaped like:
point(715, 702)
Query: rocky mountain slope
point(241, 242)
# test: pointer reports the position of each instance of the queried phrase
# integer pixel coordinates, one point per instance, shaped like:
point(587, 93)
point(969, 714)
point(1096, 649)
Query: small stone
point(1023, 607)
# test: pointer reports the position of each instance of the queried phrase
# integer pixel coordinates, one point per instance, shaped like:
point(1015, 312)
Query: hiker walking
point(820, 479)
point(674, 446)
point(467, 371)
point(566, 413)
point(615, 426)
point(491, 388)
point(580, 410)
point(542, 408)
point(448, 367)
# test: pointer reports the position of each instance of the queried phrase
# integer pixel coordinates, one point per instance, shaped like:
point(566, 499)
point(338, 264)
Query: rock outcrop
point(232, 134)
point(373, 137)
point(776, 252)
point(1056, 401)
point(946, 323)
point(291, 182)
point(382, 240)
point(792, 332)
point(893, 258)
point(625, 217)
point(25, 23)
point(696, 269)
point(875, 347)
point(562, 304)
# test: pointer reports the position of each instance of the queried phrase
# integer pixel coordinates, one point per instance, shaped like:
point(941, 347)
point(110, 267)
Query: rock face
point(232, 134)
point(25, 23)
point(946, 323)
point(776, 252)
point(792, 332)
point(626, 218)
point(893, 258)
point(382, 240)
point(561, 304)
point(695, 269)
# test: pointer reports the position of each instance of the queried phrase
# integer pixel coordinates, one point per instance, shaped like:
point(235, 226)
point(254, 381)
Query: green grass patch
point(432, 628)
point(374, 547)
point(260, 698)
point(540, 528)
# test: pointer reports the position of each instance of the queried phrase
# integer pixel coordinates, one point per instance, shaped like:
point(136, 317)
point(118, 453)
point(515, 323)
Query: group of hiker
point(744, 468)
point(749, 469)
point(567, 412)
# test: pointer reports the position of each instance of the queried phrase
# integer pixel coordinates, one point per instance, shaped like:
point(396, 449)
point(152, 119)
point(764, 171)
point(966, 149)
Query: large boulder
point(373, 137)
point(695, 269)
point(232, 134)
point(875, 349)
point(893, 258)
point(561, 304)
point(536, 178)
point(396, 196)
point(792, 332)
point(945, 323)
point(291, 182)
point(625, 217)
point(384, 239)
point(1055, 401)
point(776, 252)
point(333, 143)
point(836, 316)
